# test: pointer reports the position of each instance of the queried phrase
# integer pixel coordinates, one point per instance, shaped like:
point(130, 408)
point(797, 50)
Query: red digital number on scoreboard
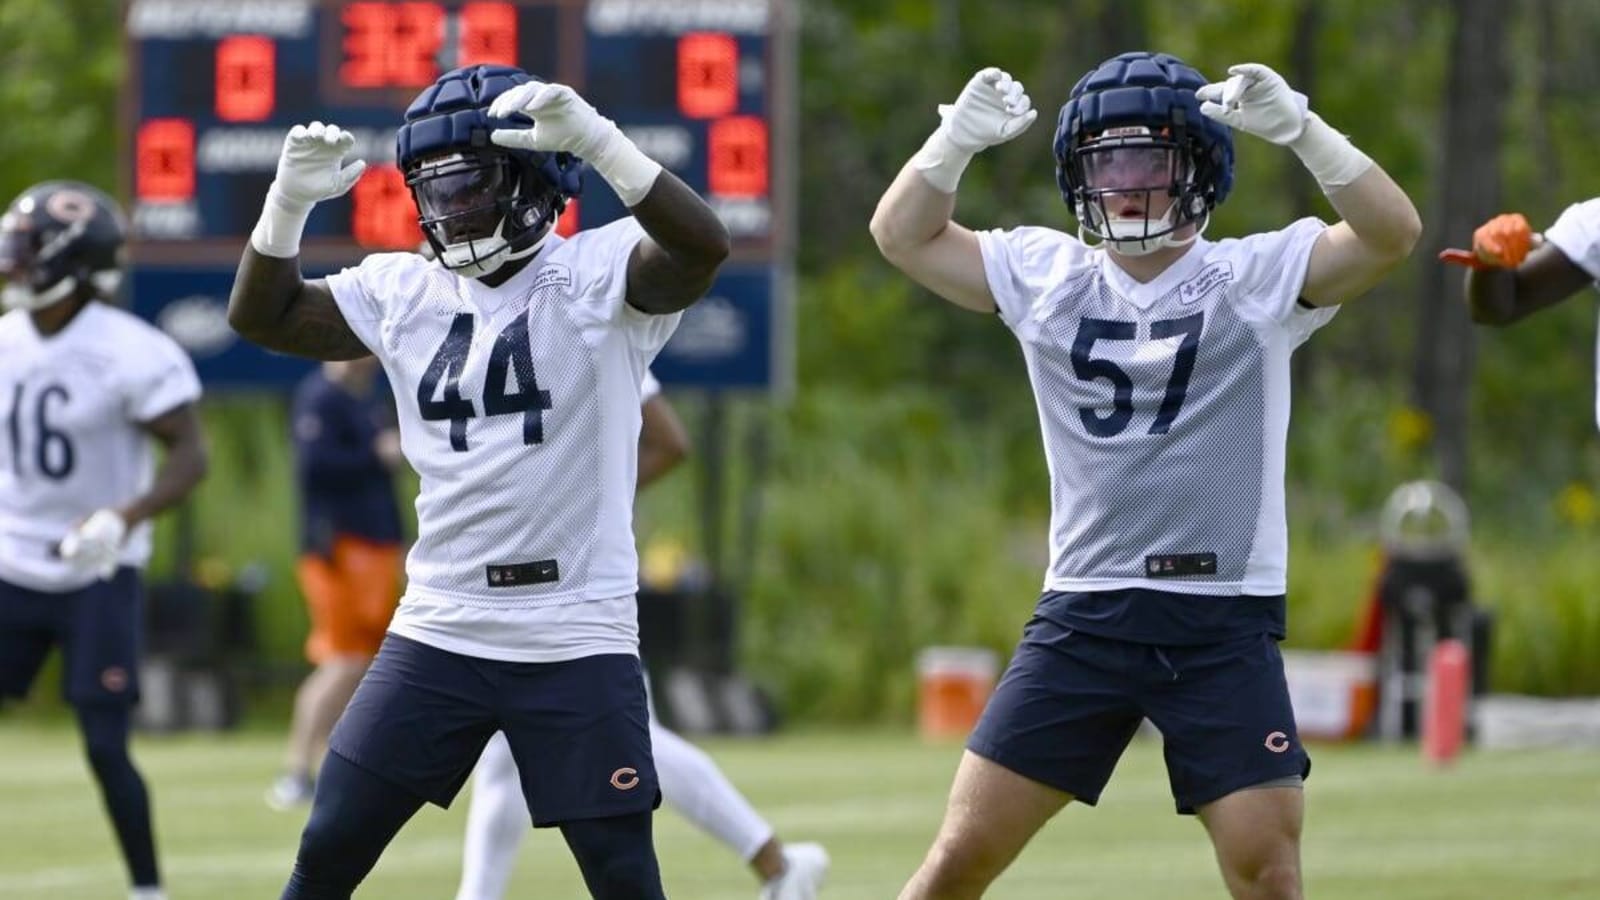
point(488, 35)
point(164, 160)
point(737, 147)
point(708, 75)
point(567, 224)
point(382, 214)
point(246, 66)
point(399, 45)
point(391, 44)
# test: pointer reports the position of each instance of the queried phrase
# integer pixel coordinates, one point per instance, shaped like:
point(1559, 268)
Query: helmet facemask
point(1133, 122)
point(1125, 175)
point(480, 210)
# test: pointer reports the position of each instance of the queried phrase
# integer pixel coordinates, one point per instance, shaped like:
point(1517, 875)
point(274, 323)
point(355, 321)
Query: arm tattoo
point(273, 306)
point(314, 326)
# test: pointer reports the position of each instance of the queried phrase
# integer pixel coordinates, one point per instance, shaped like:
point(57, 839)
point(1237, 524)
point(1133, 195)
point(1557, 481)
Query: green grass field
point(1498, 826)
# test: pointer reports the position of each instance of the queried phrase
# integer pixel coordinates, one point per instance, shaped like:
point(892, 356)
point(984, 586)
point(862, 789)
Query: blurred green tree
point(60, 69)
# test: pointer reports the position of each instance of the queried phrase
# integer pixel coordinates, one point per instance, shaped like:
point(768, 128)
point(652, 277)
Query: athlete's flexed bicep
point(947, 262)
point(685, 241)
point(912, 225)
point(271, 303)
point(273, 306)
point(684, 244)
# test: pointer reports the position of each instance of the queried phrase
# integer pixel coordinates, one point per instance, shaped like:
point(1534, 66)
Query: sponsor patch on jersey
point(553, 275)
point(542, 571)
point(1175, 565)
point(1212, 277)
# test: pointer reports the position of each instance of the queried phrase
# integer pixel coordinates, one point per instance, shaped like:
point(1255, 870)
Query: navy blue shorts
point(579, 730)
point(1068, 704)
point(98, 629)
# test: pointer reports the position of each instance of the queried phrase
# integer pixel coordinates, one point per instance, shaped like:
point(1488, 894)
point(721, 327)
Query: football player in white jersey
point(1512, 271)
point(1160, 365)
point(691, 783)
point(516, 359)
point(84, 388)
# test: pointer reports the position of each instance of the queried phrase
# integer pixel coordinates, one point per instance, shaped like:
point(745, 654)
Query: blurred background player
point(1160, 367)
point(691, 782)
point(85, 386)
point(347, 450)
point(1513, 272)
point(516, 359)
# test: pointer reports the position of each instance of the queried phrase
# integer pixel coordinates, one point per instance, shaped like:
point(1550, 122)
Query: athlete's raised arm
point(1379, 224)
point(1512, 272)
point(272, 304)
point(684, 242)
point(912, 224)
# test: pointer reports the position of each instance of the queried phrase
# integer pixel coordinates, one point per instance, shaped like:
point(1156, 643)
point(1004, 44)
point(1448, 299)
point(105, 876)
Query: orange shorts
point(351, 595)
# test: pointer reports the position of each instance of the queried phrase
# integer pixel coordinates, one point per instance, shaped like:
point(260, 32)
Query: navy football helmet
point(59, 239)
point(480, 205)
point(1132, 133)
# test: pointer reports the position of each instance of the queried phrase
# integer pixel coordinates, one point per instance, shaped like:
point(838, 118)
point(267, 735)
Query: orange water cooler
point(953, 684)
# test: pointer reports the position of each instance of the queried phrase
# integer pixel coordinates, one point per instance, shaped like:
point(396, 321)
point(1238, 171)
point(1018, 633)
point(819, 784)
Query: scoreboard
point(705, 87)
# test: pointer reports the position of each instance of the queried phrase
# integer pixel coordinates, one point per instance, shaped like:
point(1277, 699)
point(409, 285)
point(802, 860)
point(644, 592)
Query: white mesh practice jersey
point(1576, 233)
point(1164, 406)
point(519, 409)
point(72, 405)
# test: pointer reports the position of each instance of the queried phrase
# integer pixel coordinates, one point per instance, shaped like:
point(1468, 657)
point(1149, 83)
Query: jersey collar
point(1144, 294)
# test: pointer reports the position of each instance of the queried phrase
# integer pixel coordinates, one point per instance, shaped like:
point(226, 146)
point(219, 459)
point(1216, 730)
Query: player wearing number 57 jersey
point(84, 387)
point(1160, 365)
point(515, 359)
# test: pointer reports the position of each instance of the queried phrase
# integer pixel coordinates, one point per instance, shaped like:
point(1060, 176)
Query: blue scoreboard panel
point(703, 86)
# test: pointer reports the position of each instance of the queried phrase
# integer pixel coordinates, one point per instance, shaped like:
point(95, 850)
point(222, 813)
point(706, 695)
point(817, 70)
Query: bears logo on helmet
point(480, 205)
point(1131, 132)
point(58, 238)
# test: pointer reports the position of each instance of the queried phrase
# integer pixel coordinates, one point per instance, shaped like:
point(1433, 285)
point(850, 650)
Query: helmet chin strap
point(484, 256)
point(1130, 243)
point(16, 296)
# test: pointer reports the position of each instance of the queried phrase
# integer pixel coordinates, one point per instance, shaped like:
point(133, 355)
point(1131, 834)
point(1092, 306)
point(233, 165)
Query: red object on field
point(1444, 712)
point(1368, 636)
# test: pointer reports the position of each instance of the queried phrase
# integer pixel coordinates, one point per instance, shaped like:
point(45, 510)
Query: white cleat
point(805, 865)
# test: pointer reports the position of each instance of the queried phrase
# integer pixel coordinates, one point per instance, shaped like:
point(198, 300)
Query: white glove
point(94, 545)
point(564, 122)
point(993, 108)
point(1256, 100)
point(310, 169)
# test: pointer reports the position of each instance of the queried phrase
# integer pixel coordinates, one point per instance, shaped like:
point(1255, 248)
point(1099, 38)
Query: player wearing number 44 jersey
point(84, 386)
point(516, 359)
point(1160, 364)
